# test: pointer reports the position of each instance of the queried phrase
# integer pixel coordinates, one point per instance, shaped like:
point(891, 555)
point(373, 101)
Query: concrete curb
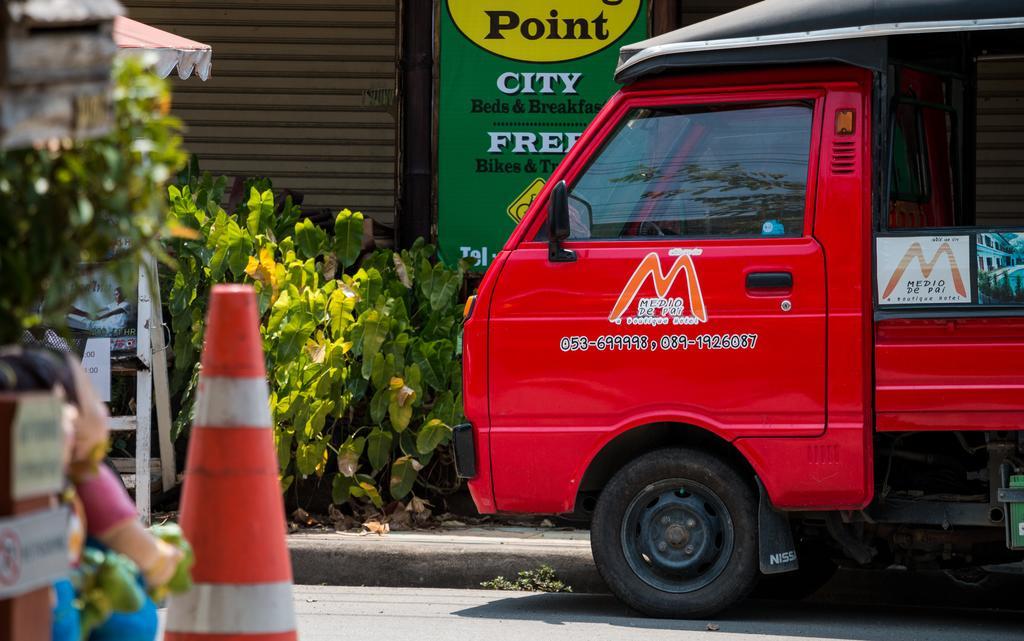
point(458, 561)
point(461, 559)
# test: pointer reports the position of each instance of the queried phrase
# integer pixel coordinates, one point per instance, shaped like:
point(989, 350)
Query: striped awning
point(171, 51)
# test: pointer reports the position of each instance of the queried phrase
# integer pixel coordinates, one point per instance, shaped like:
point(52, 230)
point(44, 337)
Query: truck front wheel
point(674, 534)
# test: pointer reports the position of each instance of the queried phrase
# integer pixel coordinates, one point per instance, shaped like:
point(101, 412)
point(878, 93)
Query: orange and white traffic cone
point(231, 506)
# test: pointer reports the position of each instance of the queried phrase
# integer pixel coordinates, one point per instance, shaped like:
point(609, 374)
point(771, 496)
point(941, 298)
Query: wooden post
point(33, 548)
point(665, 16)
point(143, 398)
point(161, 391)
point(416, 65)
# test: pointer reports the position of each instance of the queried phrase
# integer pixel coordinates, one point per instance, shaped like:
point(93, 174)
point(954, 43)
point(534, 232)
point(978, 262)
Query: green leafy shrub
point(543, 579)
point(364, 379)
point(93, 201)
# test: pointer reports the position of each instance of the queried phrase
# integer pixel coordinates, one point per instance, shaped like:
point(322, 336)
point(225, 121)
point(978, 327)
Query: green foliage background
point(364, 379)
point(84, 203)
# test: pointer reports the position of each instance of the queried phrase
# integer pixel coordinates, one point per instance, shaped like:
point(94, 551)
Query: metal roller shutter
point(301, 92)
point(1000, 160)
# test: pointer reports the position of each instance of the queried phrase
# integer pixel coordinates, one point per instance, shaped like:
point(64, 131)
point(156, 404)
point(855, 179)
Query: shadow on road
point(794, 619)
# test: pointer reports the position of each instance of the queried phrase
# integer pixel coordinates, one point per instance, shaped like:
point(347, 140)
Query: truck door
point(697, 294)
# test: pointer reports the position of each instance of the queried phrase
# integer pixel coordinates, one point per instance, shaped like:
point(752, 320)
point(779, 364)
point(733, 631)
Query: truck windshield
point(706, 171)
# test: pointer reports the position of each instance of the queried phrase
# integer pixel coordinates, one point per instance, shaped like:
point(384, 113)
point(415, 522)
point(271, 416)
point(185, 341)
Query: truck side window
point(707, 171)
point(909, 156)
point(923, 186)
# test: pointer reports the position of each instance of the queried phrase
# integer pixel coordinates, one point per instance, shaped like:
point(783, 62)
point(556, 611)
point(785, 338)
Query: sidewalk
point(454, 558)
point(462, 558)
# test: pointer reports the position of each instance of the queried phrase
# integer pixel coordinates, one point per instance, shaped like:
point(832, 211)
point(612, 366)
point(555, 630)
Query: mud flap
point(776, 550)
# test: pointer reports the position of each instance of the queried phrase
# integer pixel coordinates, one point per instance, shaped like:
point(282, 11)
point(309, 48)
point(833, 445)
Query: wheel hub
point(677, 536)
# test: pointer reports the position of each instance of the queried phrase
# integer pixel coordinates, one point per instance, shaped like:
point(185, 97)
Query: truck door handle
point(769, 280)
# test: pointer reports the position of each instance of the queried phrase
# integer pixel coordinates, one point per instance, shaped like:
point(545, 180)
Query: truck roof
point(795, 31)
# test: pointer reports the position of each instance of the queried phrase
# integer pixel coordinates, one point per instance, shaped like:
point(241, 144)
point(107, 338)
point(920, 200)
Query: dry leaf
point(302, 517)
point(713, 627)
point(547, 523)
point(405, 395)
point(452, 523)
point(401, 271)
point(376, 527)
point(316, 352)
point(340, 520)
point(330, 267)
point(400, 520)
point(348, 291)
point(417, 505)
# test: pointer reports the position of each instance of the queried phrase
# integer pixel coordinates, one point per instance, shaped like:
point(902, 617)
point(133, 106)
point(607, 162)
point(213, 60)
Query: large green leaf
point(445, 287)
point(339, 310)
point(261, 210)
point(237, 248)
point(400, 402)
point(403, 475)
point(307, 457)
point(414, 379)
point(309, 239)
point(348, 236)
point(294, 335)
point(341, 488)
point(374, 331)
point(373, 289)
point(378, 448)
point(322, 407)
point(283, 444)
point(379, 405)
point(379, 373)
point(432, 434)
point(434, 360)
point(278, 311)
point(218, 260)
point(447, 408)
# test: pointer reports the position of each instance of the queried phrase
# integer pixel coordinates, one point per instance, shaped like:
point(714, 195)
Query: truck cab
point(767, 316)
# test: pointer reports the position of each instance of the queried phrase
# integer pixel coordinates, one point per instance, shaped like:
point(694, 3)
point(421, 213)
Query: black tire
point(692, 545)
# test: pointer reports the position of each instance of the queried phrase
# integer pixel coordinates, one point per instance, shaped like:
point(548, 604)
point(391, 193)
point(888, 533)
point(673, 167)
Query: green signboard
point(519, 83)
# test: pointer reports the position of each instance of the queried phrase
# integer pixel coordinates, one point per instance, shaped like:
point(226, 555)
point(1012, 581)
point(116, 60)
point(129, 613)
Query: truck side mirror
point(558, 224)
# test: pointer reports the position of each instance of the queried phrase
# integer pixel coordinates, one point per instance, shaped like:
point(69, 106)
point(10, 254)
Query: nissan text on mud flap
point(767, 316)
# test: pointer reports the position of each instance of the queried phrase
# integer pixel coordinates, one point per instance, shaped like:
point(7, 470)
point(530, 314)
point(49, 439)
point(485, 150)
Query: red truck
point(767, 316)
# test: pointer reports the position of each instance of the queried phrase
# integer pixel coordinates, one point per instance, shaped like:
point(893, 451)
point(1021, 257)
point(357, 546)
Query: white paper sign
point(924, 270)
point(37, 444)
point(33, 551)
point(96, 361)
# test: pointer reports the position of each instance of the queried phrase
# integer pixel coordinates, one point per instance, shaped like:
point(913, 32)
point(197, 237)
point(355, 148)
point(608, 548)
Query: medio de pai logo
point(544, 30)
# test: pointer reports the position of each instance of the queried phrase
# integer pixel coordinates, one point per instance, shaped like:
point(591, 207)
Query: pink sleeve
point(105, 500)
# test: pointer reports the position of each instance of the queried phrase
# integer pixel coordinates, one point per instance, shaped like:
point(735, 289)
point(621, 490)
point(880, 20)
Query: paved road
point(330, 613)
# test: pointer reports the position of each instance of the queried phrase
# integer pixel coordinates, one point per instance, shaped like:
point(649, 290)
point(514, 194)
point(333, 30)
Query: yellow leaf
point(182, 232)
point(252, 268)
point(322, 465)
point(396, 383)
